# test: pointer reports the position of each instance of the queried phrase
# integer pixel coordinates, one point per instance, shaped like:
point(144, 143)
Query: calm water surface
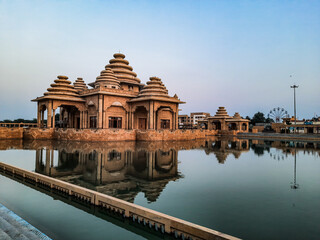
point(249, 189)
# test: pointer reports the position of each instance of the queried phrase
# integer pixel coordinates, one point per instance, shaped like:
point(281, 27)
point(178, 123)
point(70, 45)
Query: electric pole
point(294, 100)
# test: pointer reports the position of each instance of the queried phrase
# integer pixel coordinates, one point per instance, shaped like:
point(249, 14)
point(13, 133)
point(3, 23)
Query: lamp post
point(294, 100)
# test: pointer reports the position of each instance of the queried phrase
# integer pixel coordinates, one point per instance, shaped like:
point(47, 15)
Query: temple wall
point(11, 133)
point(95, 134)
point(177, 135)
point(116, 134)
point(165, 115)
point(38, 133)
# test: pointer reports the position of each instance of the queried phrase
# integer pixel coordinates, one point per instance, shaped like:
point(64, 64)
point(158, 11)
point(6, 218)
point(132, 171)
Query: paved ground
point(303, 137)
point(14, 227)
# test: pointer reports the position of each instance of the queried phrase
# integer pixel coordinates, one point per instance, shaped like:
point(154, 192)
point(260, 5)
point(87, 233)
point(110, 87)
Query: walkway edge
point(154, 219)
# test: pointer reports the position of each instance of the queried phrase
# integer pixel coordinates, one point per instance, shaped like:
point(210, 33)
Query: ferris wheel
point(277, 114)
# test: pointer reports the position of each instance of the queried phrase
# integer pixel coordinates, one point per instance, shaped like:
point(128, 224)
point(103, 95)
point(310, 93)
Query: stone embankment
point(280, 136)
point(156, 220)
point(104, 134)
point(11, 133)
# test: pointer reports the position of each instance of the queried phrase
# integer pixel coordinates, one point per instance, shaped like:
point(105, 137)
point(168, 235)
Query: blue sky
point(237, 54)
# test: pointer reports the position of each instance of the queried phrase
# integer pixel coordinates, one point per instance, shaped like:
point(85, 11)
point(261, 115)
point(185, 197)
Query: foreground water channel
point(246, 188)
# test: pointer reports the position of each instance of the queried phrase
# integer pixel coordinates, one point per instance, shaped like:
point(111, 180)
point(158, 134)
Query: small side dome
point(107, 79)
point(237, 116)
point(80, 85)
point(154, 87)
point(62, 87)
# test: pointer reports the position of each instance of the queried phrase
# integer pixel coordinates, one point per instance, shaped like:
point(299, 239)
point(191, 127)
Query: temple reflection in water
point(125, 169)
point(120, 170)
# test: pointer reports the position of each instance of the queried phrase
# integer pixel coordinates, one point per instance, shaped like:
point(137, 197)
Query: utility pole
point(294, 100)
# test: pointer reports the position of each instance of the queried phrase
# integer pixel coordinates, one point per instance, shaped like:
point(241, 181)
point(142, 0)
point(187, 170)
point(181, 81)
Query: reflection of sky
point(235, 54)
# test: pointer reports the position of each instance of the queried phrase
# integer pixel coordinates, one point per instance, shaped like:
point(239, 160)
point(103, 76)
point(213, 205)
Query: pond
point(246, 188)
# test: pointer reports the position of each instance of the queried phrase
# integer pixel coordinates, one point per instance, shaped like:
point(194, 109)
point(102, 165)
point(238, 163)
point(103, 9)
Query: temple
point(224, 123)
point(116, 99)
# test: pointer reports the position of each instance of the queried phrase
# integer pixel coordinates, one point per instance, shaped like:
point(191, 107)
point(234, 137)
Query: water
point(249, 189)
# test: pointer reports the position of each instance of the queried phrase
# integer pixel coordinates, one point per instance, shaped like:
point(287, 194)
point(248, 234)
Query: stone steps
point(14, 227)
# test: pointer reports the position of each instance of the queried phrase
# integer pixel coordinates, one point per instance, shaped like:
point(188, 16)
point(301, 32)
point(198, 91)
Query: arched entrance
point(69, 117)
point(232, 126)
point(141, 118)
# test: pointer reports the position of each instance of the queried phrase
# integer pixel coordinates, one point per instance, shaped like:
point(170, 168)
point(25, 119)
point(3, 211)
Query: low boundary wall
point(116, 134)
point(159, 221)
point(11, 133)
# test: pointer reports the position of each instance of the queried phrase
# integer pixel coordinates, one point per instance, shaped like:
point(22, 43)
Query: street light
point(294, 99)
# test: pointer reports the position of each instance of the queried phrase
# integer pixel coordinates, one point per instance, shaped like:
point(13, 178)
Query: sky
point(236, 54)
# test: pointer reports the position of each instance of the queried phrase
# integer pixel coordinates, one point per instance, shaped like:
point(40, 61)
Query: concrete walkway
point(14, 227)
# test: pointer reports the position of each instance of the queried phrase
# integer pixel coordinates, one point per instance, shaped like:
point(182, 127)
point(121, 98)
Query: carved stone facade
point(116, 99)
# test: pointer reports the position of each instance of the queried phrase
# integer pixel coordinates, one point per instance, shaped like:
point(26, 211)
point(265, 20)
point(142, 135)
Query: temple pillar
point(104, 121)
point(39, 116)
point(86, 119)
point(177, 117)
point(151, 116)
point(127, 120)
point(132, 120)
point(60, 116)
point(173, 120)
point(100, 114)
point(53, 118)
point(49, 114)
point(42, 119)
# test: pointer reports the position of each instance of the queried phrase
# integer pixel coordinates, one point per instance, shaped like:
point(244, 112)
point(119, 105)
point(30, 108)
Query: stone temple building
point(224, 123)
point(116, 99)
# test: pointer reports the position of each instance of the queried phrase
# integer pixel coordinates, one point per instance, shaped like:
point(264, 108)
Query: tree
point(269, 120)
point(258, 118)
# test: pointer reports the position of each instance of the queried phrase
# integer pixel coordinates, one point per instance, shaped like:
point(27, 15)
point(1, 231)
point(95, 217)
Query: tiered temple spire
point(154, 87)
point(62, 87)
point(80, 85)
point(108, 79)
point(221, 113)
point(122, 70)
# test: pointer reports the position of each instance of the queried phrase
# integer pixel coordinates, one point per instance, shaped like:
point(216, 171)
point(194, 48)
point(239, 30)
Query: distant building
point(221, 121)
point(190, 122)
point(290, 125)
point(224, 123)
point(198, 116)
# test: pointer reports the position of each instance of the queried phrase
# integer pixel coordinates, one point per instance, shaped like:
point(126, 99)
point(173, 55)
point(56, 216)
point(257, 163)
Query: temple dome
point(79, 84)
point(237, 116)
point(122, 70)
point(108, 79)
point(154, 87)
point(62, 87)
point(221, 112)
